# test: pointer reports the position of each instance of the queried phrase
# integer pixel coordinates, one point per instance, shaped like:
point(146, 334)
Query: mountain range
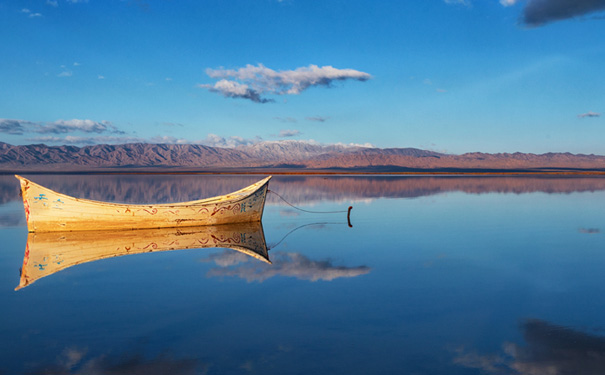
point(275, 156)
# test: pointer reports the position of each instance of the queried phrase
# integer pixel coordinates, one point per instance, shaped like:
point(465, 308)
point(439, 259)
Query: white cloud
point(589, 114)
point(66, 73)
point(288, 133)
point(101, 77)
point(52, 3)
point(252, 81)
point(167, 139)
point(317, 118)
point(364, 145)
point(508, 3)
point(214, 140)
point(68, 126)
point(30, 13)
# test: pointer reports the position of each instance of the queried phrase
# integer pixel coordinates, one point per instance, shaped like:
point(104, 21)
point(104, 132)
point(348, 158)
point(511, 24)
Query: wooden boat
point(47, 210)
point(49, 252)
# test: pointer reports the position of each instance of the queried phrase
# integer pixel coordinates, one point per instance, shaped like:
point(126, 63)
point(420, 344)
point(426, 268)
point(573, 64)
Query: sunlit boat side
point(47, 210)
point(49, 252)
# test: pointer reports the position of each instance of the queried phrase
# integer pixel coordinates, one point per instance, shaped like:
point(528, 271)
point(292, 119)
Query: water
point(449, 275)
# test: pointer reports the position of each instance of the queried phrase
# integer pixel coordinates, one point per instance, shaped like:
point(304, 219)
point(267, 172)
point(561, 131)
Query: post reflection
point(51, 252)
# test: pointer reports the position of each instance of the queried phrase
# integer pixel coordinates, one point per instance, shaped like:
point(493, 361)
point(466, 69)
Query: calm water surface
point(451, 275)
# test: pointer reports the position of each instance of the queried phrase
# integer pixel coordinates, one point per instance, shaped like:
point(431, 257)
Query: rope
point(312, 212)
point(271, 247)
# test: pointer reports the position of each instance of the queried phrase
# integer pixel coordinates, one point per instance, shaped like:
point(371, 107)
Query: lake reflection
point(438, 275)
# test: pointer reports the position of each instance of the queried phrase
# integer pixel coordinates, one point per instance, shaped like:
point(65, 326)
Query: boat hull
point(49, 211)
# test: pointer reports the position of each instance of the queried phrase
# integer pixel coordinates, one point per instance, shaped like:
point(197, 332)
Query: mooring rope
point(271, 247)
point(312, 212)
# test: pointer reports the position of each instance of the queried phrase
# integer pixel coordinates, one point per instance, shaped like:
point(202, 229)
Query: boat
point(47, 253)
point(48, 211)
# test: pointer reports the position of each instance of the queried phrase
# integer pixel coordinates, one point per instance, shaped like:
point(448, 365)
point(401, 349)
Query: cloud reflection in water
point(550, 350)
point(284, 264)
point(74, 362)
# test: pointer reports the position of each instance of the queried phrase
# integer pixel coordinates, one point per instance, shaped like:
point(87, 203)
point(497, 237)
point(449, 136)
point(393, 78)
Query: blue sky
point(453, 76)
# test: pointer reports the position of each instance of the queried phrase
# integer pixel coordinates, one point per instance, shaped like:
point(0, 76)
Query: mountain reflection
point(51, 252)
point(296, 189)
point(74, 362)
point(283, 264)
point(550, 349)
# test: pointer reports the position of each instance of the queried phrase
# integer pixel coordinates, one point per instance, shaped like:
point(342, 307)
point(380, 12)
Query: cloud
point(288, 133)
point(167, 139)
point(172, 124)
point(15, 127)
point(589, 114)
point(68, 126)
point(317, 118)
point(214, 140)
point(19, 127)
point(508, 3)
point(76, 140)
point(100, 77)
point(540, 12)
point(65, 73)
point(252, 81)
point(52, 3)
point(30, 14)
point(589, 230)
point(549, 349)
point(284, 264)
point(232, 89)
point(364, 145)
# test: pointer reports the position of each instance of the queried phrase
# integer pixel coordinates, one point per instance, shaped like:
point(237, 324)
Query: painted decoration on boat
point(47, 210)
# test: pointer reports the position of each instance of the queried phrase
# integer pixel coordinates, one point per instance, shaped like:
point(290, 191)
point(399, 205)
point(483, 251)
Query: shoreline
point(428, 173)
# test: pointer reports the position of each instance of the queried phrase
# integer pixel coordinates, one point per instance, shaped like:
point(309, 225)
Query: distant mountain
point(286, 151)
point(274, 155)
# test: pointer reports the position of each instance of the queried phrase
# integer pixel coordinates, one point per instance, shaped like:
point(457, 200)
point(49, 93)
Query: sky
point(452, 76)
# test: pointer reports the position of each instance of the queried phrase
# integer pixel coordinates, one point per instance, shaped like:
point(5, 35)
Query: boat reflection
point(51, 252)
